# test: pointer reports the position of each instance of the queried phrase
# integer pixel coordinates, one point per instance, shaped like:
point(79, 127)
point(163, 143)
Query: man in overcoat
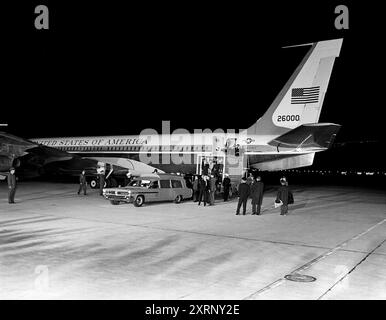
point(11, 179)
point(257, 190)
point(244, 191)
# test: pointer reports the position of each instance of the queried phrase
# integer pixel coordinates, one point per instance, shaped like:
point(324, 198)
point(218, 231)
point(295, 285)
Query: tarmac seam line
point(351, 270)
point(317, 259)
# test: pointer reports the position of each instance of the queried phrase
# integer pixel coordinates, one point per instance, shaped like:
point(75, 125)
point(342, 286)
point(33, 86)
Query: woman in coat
point(285, 196)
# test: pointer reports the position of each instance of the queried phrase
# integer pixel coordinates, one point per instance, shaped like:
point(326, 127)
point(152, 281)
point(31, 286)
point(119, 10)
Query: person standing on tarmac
point(226, 185)
point(101, 181)
point(212, 189)
point(195, 189)
point(202, 185)
point(257, 189)
point(285, 196)
point(11, 179)
point(82, 183)
point(244, 191)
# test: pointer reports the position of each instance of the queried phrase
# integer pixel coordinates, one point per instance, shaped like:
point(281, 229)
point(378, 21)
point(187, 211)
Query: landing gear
point(110, 183)
point(93, 184)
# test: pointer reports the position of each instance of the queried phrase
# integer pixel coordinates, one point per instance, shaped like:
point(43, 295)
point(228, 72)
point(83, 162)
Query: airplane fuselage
point(180, 152)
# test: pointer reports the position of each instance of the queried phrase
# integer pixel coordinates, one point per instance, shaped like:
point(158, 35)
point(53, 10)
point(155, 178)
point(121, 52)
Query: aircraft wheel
point(93, 184)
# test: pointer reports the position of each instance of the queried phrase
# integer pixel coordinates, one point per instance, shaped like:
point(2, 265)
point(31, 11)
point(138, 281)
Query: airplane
point(287, 136)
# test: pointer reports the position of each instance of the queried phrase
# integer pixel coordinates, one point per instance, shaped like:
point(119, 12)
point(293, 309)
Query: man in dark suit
point(11, 179)
point(82, 182)
point(226, 184)
point(202, 187)
point(244, 191)
point(257, 189)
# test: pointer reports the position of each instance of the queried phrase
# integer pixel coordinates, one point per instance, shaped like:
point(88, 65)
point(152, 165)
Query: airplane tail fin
point(301, 99)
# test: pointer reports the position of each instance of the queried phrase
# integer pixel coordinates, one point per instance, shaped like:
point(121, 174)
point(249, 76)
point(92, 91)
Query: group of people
point(253, 187)
point(205, 187)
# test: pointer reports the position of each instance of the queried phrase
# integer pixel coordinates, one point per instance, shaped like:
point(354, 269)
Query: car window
point(135, 183)
point(154, 185)
point(176, 184)
point(165, 184)
point(140, 183)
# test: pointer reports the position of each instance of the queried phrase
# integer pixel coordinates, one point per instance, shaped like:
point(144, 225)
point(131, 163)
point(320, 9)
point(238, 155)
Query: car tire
point(114, 202)
point(139, 201)
point(178, 199)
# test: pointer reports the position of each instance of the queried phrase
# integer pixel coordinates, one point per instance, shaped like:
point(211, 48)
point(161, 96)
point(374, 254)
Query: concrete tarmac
point(55, 244)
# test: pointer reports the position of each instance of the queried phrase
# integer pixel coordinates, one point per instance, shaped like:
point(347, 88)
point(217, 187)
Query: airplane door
point(235, 159)
point(218, 145)
point(232, 147)
point(211, 165)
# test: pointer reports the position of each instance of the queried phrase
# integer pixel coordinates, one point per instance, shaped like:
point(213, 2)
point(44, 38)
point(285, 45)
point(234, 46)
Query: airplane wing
point(15, 151)
point(13, 146)
point(135, 167)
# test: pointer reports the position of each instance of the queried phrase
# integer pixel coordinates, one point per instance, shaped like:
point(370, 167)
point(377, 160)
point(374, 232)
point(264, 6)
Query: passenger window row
point(167, 184)
point(137, 148)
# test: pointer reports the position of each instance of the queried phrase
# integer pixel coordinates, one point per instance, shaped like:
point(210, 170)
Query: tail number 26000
point(293, 117)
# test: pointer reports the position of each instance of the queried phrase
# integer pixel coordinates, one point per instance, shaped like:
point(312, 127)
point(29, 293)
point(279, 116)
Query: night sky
point(110, 69)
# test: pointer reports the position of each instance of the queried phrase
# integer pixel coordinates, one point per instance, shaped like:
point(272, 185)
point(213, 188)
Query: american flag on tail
point(305, 95)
